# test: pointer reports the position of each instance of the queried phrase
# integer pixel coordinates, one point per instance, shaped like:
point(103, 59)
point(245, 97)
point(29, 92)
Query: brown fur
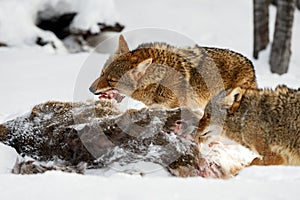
point(62, 135)
point(32, 167)
point(4, 133)
point(174, 77)
point(266, 121)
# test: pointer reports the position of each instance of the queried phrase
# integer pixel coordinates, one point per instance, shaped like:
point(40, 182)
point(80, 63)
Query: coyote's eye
point(112, 81)
point(205, 134)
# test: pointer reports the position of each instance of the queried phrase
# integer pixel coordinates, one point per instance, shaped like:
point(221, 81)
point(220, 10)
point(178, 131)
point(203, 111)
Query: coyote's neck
point(264, 112)
point(174, 57)
point(252, 108)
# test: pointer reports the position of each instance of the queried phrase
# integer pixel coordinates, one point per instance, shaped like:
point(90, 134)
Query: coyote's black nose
point(92, 89)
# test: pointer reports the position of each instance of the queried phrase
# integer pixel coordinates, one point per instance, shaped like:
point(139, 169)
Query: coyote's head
point(216, 111)
point(121, 73)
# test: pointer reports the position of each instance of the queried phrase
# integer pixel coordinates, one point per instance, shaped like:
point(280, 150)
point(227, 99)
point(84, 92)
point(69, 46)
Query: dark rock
point(59, 25)
point(2, 44)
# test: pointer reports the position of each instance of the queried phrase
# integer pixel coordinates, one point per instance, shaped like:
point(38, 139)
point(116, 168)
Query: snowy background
point(33, 75)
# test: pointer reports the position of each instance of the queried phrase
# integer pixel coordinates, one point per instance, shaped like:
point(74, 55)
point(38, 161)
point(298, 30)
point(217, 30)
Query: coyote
point(264, 120)
point(160, 74)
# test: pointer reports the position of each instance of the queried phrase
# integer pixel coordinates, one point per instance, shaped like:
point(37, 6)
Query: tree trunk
point(281, 47)
point(274, 2)
point(261, 25)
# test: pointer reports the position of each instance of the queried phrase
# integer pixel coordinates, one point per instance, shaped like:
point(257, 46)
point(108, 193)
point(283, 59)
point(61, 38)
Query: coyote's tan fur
point(158, 73)
point(266, 121)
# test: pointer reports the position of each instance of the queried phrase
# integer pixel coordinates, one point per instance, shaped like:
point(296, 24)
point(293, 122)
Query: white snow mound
point(18, 19)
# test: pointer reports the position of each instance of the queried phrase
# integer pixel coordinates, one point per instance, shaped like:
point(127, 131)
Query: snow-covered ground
point(25, 14)
point(31, 76)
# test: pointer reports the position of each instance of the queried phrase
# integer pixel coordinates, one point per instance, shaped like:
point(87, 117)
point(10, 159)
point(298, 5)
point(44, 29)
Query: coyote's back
point(158, 73)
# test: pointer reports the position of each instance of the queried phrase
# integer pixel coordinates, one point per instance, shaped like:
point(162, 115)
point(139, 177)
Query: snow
point(33, 75)
point(8, 156)
point(58, 185)
point(25, 15)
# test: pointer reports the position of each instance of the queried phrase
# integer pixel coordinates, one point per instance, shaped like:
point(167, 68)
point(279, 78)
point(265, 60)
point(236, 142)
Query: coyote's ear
point(123, 46)
point(141, 68)
point(233, 98)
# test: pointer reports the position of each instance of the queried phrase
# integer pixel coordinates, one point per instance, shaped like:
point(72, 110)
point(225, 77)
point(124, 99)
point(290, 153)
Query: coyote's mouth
point(111, 94)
